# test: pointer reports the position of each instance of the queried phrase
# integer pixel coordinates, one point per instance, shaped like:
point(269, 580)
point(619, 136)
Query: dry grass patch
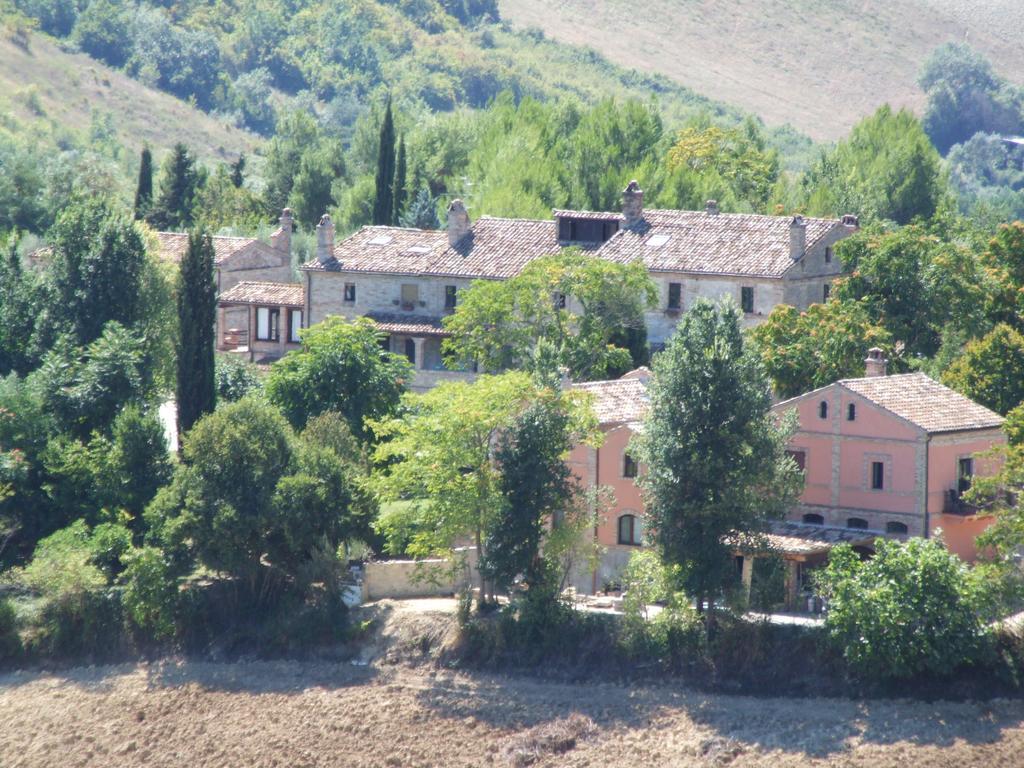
point(554, 738)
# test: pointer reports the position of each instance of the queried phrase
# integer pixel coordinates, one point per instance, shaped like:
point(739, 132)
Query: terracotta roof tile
point(791, 538)
point(408, 325)
point(174, 244)
point(559, 213)
point(496, 248)
point(273, 294)
point(619, 400)
point(924, 402)
point(725, 243)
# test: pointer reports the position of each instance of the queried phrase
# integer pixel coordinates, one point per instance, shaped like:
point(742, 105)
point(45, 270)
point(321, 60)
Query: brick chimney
point(282, 239)
point(632, 204)
point(325, 240)
point(711, 207)
point(458, 221)
point(797, 237)
point(875, 364)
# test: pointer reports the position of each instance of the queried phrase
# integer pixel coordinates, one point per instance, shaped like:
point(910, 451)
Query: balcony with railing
point(954, 503)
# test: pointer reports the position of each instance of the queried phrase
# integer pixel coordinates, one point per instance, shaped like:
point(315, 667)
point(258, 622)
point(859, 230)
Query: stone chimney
point(797, 237)
point(711, 207)
point(849, 220)
point(325, 240)
point(282, 239)
point(458, 221)
point(875, 364)
point(632, 204)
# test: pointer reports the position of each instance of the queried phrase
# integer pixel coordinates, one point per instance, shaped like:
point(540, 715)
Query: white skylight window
point(656, 241)
point(380, 240)
point(418, 249)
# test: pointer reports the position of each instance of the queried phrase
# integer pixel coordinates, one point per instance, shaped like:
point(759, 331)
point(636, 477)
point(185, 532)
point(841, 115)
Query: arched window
point(899, 528)
point(851, 412)
point(812, 519)
point(410, 350)
point(823, 410)
point(856, 522)
point(629, 530)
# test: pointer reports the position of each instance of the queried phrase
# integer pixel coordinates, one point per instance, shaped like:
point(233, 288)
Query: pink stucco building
point(882, 455)
point(892, 454)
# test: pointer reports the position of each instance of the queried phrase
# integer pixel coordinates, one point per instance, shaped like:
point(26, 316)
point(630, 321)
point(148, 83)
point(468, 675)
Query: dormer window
point(592, 228)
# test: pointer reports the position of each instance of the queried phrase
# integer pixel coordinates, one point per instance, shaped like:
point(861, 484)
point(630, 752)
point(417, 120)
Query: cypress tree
point(237, 171)
point(384, 202)
point(144, 191)
point(197, 306)
point(173, 205)
point(401, 193)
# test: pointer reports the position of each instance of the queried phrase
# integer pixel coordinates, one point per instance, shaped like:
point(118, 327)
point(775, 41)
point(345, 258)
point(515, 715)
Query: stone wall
point(417, 578)
point(375, 293)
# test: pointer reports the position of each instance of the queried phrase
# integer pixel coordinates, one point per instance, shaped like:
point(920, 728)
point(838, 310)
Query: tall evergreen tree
point(238, 171)
point(384, 202)
point(19, 309)
point(401, 192)
point(172, 208)
point(144, 190)
point(422, 212)
point(197, 306)
point(715, 458)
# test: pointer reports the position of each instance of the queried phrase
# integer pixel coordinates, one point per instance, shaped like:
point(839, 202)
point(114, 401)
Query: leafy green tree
point(238, 171)
point(1004, 260)
point(86, 387)
point(295, 134)
point(384, 200)
point(100, 32)
point(249, 496)
point(499, 324)
point(341, 367)
point(907, 611)
point(442, 456)
point(234, 378)
point(804, 350)
point(197, 308)
point(966, 97)
point(253, 100)
point(20, 306)
point(714, 456)
point(311, 194)
point(96, 274)
point(401, 192)
point(914, 283)
point(887, 169)
point(144, 189)
point(991, 370)
point(175, 198)
point(422, 212)
point(538, 487)
point(738, 157)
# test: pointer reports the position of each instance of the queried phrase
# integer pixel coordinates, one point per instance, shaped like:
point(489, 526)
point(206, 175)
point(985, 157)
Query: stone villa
point(407, 280)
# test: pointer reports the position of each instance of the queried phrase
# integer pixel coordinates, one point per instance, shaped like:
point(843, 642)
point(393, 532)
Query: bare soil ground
point(820, 65)
point(389, 712)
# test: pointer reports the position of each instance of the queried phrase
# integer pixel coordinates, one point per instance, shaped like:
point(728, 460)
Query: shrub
point(10, 641)
point(150, 596)
point(907, 611)
point(234, 378)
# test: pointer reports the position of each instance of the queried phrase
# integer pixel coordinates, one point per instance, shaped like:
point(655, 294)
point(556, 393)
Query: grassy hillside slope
point(818, 64)
point(64, 89)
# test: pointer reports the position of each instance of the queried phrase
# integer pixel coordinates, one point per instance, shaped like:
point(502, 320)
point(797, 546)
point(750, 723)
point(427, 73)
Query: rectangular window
point(800, 457)
point(450, 296)
point(410, 295)
point(826, 291)
point(267, 323)
point(828, 254)
point(675, 295)
point(747, 299)
point(965, 470)
point(294, 325)
point(629, 466)
point(877, 475)
point(560, 301)
point(350, 292)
